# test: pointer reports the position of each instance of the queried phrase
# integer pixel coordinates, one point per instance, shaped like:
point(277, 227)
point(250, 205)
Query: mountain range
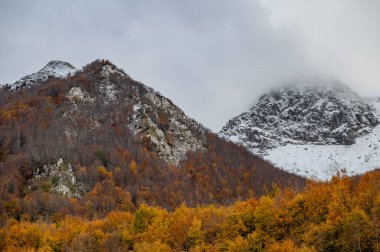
point(64, 130)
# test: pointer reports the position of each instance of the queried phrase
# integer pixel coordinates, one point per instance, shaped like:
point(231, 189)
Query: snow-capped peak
point(58, 68)
point(54, 68)
point(317, 112)
point(320, 114)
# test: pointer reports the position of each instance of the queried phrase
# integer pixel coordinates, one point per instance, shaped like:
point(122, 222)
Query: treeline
point(342, 215)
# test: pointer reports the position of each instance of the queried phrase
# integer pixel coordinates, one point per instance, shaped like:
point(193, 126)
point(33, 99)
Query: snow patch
point(323, 161)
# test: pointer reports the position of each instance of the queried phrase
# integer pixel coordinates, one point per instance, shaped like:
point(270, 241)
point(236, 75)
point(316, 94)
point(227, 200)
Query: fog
point(212, 58)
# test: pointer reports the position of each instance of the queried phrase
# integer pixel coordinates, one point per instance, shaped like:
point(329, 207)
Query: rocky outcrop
point(58, 178)
point(76, 94)
point(169, 132)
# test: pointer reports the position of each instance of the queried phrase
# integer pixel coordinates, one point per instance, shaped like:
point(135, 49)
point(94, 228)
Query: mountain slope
point(99, 130)
point(311, 130)
point(322, 161)
point(150, 115)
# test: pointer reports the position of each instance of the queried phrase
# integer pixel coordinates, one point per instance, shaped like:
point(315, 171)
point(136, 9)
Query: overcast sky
point(213, 58)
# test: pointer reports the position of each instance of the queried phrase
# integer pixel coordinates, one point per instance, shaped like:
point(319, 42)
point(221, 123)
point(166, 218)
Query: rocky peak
point(319, 111)
point(105, 69)
point(109, 69)
point(57, 65)
point(153, 117)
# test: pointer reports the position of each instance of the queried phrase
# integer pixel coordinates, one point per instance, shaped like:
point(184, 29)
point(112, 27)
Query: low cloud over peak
point(210, 57)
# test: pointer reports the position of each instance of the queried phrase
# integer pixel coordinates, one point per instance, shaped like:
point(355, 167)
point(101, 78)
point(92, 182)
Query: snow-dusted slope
point(311, 130)
point(323, 161)
point(54, 68)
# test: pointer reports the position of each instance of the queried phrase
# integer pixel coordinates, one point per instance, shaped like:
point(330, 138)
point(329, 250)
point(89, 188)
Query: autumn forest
point(342, 215)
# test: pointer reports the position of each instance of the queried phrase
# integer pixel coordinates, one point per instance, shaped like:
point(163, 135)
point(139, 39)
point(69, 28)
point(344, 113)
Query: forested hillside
point(97, 141)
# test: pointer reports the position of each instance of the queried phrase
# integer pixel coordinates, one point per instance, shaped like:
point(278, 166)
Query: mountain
point(101, 137)
point(311, 127)
point(150, 115)
point(54, 68)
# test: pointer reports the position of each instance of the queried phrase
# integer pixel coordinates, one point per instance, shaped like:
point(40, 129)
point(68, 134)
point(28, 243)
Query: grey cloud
point(213, 58)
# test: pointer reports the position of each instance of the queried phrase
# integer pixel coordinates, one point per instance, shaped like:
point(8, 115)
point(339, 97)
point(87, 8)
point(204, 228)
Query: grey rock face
point(321, 114)
point(173, 140)
point(149, 114)
point(155, 117)
point(60, 178)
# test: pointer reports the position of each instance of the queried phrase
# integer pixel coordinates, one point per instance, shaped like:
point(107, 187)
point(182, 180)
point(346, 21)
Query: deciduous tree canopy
point(342, 215)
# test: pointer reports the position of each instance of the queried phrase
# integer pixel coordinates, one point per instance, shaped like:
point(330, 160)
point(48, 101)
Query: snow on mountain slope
point(323, 161)
point(324, 112)
point(311, 130)
point(54, 68)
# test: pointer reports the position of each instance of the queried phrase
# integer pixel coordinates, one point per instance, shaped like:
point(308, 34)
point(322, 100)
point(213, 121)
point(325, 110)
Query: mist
point(211, 58)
